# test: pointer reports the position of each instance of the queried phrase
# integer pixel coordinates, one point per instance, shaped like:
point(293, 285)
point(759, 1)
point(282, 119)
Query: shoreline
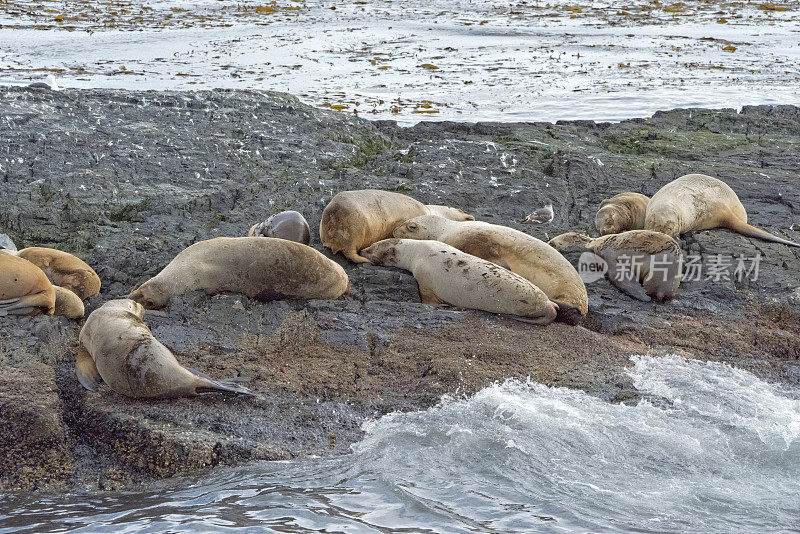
point(125, 180)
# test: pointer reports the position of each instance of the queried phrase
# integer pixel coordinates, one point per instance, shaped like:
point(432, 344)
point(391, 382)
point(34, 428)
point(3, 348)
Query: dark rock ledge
point(126, 180)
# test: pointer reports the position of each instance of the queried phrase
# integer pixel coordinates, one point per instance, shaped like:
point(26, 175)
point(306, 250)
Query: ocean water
point(708, 448)
point(412, 60)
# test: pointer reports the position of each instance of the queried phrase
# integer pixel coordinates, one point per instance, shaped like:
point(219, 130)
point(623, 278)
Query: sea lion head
point(382, 253)
point(454, 214)
point(422, 227)
point(68, 304)
point(570, 239)
point(150, 295)
point(613, 219)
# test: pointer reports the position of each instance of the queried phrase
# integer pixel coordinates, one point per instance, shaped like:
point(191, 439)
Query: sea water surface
point(412, 60)
point(708, 448)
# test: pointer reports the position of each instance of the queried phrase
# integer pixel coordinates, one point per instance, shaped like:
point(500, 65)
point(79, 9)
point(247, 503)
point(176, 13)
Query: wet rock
point(6, 243)
point(181, 167)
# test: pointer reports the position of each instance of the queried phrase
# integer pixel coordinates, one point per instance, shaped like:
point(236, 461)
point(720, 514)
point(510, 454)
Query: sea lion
point(641, 263)
point(117, 348)
point(68, 304)
point(64, 270)
point(445, 274)
point(700, 202)
point(353, 220)
point(525, 255)
point(24, 288)
point(264, 268)
point(621, 213)
point(289, 225)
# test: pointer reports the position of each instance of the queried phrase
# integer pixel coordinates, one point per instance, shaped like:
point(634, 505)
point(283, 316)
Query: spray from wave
point(707, 448)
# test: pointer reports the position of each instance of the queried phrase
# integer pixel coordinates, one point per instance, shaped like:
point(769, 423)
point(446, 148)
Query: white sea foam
point(707, 448)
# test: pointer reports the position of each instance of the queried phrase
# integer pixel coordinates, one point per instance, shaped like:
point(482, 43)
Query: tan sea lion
point(525, 255)
point(445, 274)
point(621, 213)
point(641, 263)
point(24, 288)
point(700, 202)
point(289, 225)
point(64, 270)
point(353, 220)
point(117, 348)
point(264, 268)
point(68, 304)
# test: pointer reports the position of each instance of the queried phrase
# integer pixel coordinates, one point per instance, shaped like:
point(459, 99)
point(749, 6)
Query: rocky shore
point(126, 180)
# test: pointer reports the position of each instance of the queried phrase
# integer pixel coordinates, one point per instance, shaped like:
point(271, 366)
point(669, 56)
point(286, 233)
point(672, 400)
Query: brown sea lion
point(68, 304)
point(64, 270)
point(289, 225)
point(353, 220)
point(525, 255)
point(445, 274)
point(641, 263)
point(264, 268)
point(621, 213)
point(700, 202)
point(117, 348)
point(24, 288)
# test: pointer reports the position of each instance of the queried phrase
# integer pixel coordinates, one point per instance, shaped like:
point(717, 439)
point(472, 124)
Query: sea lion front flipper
point(624, 280)
point(428, 296)
point(7, 305)
point(353, 256)
point(86, 370)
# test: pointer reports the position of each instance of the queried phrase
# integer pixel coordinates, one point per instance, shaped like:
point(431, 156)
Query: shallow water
point(417, 60)
point(709, 448)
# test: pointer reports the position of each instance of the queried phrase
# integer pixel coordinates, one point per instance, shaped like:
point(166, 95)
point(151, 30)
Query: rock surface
point(126, 180)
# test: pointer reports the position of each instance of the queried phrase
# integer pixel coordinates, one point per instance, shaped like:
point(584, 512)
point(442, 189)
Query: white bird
point(48, 83)
point(540, 216)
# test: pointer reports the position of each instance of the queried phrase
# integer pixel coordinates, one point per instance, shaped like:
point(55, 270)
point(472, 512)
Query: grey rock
point(150, 173)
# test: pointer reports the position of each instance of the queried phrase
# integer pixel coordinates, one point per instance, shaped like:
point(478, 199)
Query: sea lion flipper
point(624, 279)
point(230, 385)
point(353, 256)
point(751, 231)
point(427, 296)
point(86, 370)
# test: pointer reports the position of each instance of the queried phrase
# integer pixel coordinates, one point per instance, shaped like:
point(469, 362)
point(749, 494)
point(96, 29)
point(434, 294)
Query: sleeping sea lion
point(24, 288)
point(621, 213)
point(263, 268)
point(445, 274)
point(525, 255)
point(64, 270)
point(289, 225)
point(700, 202)
point(117, 348)
point(353, 220)
point(641, 263)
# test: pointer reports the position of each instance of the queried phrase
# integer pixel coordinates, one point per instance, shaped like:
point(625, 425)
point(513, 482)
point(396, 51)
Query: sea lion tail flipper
point(86, 370)
point(235, 379)
point(226, 386)
point(751, 231)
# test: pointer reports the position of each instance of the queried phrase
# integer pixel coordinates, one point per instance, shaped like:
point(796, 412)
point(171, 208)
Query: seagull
point(48, 83)
point(540, 216)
